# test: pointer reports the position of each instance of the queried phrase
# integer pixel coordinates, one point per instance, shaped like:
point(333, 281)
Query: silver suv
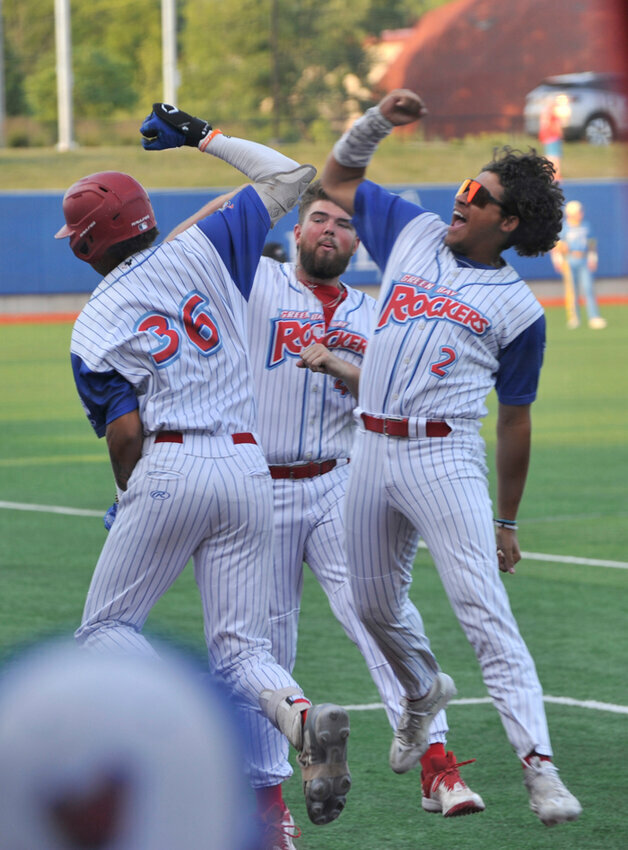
point(591, 106)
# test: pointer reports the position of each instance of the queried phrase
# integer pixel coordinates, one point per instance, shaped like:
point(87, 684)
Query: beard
point(323, 267)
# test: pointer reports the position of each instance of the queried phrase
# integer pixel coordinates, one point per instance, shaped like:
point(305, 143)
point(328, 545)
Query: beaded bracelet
point(511, 524)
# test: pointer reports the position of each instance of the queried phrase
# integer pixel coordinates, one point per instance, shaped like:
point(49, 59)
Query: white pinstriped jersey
point(302, 415)
point(441, 331)
point(172, 322)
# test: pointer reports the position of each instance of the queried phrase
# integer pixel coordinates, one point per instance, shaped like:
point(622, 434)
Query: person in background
point(575, 258)
point(551, 135)
point(275, 251)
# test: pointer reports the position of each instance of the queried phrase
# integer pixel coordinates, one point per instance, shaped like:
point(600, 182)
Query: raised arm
point(278, 180)
point(346, 165)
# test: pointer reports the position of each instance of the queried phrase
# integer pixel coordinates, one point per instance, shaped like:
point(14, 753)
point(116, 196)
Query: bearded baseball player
point(301, 315)
point(453, 321)
point(161, 365)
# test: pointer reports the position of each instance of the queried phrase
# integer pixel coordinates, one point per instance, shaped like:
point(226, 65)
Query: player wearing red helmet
point(104, 209)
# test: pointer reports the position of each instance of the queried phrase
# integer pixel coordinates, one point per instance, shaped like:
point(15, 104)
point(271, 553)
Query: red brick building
point(473, 61)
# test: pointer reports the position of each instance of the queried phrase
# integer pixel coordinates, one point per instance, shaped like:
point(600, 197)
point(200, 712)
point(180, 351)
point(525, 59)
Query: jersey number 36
point(195, 322)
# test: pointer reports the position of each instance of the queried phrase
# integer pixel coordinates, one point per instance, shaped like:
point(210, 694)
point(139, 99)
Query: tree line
point(290, 68)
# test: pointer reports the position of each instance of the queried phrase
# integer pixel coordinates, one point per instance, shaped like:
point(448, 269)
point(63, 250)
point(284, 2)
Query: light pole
point(63, 41)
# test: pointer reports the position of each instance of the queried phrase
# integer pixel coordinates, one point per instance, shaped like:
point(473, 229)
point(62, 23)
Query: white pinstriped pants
point(438, 487)
point(214, 506)
point(309, 526)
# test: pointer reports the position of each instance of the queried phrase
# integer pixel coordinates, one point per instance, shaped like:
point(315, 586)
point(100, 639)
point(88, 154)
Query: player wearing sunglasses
point(454, 320)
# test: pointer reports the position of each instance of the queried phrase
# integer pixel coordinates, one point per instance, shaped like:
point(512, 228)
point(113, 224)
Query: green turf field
point(573, 615)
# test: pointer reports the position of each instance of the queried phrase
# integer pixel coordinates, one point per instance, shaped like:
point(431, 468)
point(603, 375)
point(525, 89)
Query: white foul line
point(49, 509)
point(569, 559)
point(532, 556)
point(591, 704)
point(565, 559)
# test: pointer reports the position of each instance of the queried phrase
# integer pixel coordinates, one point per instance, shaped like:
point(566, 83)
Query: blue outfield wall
point(32, 261)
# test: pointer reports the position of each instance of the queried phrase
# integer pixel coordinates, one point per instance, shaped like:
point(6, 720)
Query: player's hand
point(169, 127)
point(110, 516)
point(402, 106)
point(317, 358)
point(508, 553)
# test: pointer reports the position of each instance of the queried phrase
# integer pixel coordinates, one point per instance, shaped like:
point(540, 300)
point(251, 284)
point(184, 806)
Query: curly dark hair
point(532, 194)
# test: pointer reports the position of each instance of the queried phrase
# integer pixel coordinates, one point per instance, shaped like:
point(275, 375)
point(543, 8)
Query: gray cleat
point(323, 762)
point(410, 740)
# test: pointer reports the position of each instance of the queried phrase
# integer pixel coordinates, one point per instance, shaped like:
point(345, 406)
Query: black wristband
point(194, 129)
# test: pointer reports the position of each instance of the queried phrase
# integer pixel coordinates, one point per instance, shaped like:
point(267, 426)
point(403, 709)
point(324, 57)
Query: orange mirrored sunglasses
point(477, 194)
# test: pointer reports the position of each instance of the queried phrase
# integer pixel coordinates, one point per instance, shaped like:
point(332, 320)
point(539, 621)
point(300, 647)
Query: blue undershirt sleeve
point(379, 218)
point(238, 232)
point(104, 395)
point(520, 365)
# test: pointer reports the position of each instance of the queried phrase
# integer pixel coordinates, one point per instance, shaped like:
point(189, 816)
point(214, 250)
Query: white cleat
point(410, 740)
point(550, 800)
point(281, 191)
point(597, 323)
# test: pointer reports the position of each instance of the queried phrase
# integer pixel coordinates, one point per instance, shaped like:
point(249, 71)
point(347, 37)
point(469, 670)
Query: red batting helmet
point(102, 209)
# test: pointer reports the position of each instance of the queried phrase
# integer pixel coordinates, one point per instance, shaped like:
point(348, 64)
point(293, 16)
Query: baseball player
point(575, 258)
point(161, 365)
point(453, 321)
point(301, 314)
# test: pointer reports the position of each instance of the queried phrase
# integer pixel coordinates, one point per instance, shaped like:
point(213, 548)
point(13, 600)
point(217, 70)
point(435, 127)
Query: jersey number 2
point(443, 367)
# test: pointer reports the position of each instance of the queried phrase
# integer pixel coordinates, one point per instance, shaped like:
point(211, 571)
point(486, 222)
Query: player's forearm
point(349, 375)
point(125, 440)
point(318, 358)
point(514, 428)
point(346, 165)
point(254, 160)
point(341, 182)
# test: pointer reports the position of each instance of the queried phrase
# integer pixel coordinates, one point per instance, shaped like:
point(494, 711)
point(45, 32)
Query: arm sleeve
point(104, 395)
point(238, 232)
point(520, 365)
point(379, 218)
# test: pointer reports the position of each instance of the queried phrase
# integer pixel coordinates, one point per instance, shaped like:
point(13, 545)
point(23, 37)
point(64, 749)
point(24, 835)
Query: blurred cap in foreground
point(116, 753)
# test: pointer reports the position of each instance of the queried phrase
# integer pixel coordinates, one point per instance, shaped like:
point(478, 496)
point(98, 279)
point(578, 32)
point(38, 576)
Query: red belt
point(303, 470)
point(177, 437)
point(398, 427)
